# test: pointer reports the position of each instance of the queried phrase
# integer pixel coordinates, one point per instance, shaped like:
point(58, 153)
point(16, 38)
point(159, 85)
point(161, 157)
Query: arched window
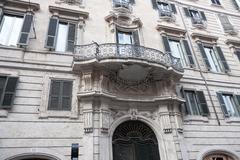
point(134, 140)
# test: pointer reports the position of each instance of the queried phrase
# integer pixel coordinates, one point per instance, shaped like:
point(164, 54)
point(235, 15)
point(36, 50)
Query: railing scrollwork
point(125, 51)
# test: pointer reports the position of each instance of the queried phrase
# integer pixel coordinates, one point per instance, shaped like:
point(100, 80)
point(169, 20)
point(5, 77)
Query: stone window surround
point(69, 15)
point(43, 109)
point(230, 119)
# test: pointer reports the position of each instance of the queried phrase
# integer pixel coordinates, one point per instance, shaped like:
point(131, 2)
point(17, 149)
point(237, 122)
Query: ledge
point(205, 37)
point(20, 4)
point(195, 118)
point(233, 120)
point(68, 12)
point(169, 29)
point(235, 42)
point(150, 99)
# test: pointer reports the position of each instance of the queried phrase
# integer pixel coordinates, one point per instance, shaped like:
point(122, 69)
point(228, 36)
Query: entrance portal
point(134, 140)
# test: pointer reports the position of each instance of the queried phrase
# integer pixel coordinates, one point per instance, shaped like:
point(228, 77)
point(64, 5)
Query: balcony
point(125, 52)
point(126, 72)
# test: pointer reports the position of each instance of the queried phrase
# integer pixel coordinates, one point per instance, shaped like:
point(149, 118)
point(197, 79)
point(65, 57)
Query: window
point(10, 30)
point(198, 17)
point(123, 3)
point(60, 97)
point(217, 2)
point(179, 49)
point(230, 104)
point(127, 37)
point(7, 91)
point(195, 103)
point(61, 35)
point(237, 4)
point(15, 29)
point(226, 24)
point(166, 9)
point(213, 58)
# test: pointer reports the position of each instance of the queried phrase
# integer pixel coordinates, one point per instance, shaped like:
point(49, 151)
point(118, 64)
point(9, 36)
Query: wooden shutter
point(52, 33)
point(1, 13)
point(237, 52)
point(136, 38)
point(9, 92)
point(186, 105)
point(237, 98)
point(227, 26)
point(201, 48)
point(60, 95)
point(202, 103)
point(222, 104)
point(166, 44)
point(236, 4)
point(188, 52)
point(222, 58)
point(132, 1)
point(154, 4)
point(26, 28)
point(173, 8)
point(54, 96)
point(71, 37)
point(66, 95)
point(187, 13)
point(203, 16)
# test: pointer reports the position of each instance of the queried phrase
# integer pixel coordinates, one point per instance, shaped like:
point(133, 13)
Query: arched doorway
point(219, 156)
point(134, 140)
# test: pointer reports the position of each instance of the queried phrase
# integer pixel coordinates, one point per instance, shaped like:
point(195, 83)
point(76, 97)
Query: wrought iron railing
point(125, 51)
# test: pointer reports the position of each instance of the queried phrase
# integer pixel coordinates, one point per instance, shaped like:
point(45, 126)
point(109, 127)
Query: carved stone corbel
point(87, 83)
point(88, 121)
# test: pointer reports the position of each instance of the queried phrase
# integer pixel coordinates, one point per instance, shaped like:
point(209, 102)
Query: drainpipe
point(198, 65)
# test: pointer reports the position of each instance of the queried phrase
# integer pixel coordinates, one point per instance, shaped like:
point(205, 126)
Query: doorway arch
point(134, 140)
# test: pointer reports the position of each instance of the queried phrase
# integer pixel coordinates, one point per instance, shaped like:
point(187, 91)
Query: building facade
point(120, 79)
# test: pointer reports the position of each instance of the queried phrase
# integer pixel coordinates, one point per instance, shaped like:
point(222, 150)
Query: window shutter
point(54, 97)
point(187, 13)
point(154, 4)
point(71, 37)
point(173, 7)
point(66, 96)
point(236, 3)
point(189, 53)
point(132, 1)
point(9, 92)
point(136, 38)
point(202, 103)
point(203, 16)
point(26, 28)
point(186, 106)
point(223, 60)
point(201, 48)
point(237, 52)
point(237, 98)
point(1, 13)
point(166, 44)
point(223, 106)
point(227, 26)
point(52, 32)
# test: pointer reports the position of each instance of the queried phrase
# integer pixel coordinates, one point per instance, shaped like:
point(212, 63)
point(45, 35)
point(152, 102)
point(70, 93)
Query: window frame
point(12, 14)
point(60, 95)
point(186, 105)
point(43, 110)
point(220, 65)
point(236, 103)
point(216, 2)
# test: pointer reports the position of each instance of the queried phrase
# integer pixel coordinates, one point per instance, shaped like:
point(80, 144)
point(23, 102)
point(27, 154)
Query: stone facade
point(109, 90)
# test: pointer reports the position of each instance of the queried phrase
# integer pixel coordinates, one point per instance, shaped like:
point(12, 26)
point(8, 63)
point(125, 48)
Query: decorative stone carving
point(71, 2)
point(104, 120)
point(87, 81)
point(164, 119)
point(88, 121)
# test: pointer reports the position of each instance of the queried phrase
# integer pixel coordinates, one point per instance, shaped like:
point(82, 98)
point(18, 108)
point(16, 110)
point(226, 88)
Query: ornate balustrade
point(125, 51)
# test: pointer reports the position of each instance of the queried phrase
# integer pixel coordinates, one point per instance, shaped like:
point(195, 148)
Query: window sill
point(11, 47)
point(196, 118)
point(233, 120)
point(58, 114)
point(216, 5)
point(3, 113)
